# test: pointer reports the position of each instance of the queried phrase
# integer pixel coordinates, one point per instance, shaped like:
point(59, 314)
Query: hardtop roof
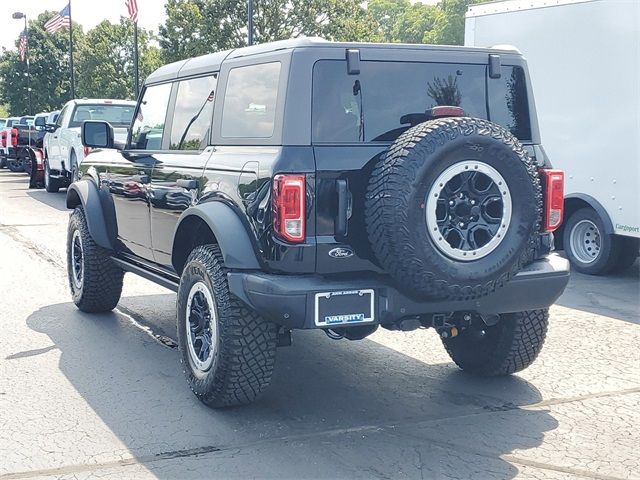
point(213, 61)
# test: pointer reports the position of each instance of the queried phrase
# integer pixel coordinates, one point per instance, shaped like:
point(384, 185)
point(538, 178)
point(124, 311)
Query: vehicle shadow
point(615, 295)
point(54, 200)
point(330, 403)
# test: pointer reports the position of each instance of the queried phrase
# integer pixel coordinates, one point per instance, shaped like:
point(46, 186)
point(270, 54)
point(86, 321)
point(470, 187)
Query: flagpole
point(73, 80)
point(26, 57)
point(135, 58)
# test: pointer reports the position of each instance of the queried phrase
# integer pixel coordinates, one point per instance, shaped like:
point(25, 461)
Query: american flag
point(58, 21)
point(132, 8)
point(24, 44)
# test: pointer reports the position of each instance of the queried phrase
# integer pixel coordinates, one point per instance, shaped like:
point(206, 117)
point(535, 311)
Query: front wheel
point(507, 347)
point(95, 281)
point(16, 165)
point(227, 350)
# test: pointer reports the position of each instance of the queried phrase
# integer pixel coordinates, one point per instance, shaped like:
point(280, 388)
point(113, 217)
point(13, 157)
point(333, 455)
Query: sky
point(86, 12)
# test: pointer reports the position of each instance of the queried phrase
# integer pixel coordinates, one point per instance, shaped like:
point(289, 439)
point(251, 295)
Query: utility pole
point(250, 23)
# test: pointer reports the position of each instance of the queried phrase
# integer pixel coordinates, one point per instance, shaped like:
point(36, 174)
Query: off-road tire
point(101, 285)
point(505, 348)
point(245, 350)
point(395, 208)
point(610, 245)
point(51, 185)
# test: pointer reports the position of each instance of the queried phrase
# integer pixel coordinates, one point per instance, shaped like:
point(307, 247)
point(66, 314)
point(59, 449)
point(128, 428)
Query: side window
point(193, 114)
point(250, 101)
point(148, 126)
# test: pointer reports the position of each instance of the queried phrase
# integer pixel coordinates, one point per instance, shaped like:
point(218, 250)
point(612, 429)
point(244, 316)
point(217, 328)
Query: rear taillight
point(87, 151)
point(3, 135)
point(14, 137)
point(553, 187)
point(289, 215)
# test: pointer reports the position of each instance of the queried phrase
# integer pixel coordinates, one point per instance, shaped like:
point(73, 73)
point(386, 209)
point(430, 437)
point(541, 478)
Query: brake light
point(14, 137)
point(289, 214)
point(87, 151)
point(3, 135)
point(553, 187)
point(442, 111)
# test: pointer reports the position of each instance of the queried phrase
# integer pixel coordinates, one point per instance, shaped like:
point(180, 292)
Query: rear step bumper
point(289, 300)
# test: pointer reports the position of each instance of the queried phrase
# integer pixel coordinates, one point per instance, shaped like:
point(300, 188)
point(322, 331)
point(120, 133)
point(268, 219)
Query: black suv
point(308, 184)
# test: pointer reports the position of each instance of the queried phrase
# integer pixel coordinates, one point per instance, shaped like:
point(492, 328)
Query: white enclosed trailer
point(584, 64)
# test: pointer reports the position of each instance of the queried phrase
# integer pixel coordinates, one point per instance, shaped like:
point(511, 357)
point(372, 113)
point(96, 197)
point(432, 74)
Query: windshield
point(387, 98)
point(116, 115)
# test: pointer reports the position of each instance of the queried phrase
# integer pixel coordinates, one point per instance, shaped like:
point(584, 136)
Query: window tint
point(388, 98)
point(148, 127)
point(509, 103)
point(250, 101)
point(192, 116)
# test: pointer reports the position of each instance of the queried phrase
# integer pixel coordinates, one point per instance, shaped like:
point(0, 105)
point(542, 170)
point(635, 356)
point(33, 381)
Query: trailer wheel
point(628, 253)
point(589, 249)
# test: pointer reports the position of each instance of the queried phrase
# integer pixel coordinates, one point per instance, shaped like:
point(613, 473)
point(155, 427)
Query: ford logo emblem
point(341, 252)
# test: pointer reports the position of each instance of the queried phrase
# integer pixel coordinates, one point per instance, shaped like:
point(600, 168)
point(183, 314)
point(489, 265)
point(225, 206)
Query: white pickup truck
point(63, 149)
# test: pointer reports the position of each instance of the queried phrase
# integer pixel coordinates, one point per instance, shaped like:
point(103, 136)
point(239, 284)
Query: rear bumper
point(289, 300)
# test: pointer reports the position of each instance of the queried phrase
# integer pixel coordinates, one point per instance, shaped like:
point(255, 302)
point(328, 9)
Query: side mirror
point(50, 127)
point(97, 134)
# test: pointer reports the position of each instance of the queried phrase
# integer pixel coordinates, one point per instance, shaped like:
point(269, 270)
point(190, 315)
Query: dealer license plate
point(344, 308)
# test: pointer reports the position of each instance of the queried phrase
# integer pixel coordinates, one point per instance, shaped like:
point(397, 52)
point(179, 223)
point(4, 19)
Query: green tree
point(196, 27)
point(448, 27)
point(414, 23)
point(49, 67)
point(387, 13)
point(105, 61)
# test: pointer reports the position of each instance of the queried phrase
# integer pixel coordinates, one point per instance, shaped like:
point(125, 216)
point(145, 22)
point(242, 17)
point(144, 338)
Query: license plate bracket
point(344, 308)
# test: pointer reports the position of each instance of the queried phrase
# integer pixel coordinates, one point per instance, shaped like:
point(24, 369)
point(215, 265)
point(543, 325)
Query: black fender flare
point(238, 251)
point(597, 206)
point(85, 193)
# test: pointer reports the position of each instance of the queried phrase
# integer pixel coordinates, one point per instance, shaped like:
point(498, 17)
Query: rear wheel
point(227, 350)
point(75, 172)
point(51, 184)
point(507, 347)
point(588, 247)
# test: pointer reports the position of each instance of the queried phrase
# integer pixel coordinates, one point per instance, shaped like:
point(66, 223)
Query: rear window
point(250, 101)
point(387, 98)
point(116, 115)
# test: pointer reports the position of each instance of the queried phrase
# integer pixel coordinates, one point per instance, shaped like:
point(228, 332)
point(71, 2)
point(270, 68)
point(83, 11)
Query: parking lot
point(103, 396)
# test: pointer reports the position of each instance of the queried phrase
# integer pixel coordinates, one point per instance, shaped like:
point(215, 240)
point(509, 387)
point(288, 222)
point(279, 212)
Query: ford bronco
point(307, 184)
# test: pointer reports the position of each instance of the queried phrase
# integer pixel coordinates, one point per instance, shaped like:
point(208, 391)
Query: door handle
point(140, 178)
point(188, 184)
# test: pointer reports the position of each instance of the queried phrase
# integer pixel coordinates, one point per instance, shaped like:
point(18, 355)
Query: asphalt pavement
point(88, 396)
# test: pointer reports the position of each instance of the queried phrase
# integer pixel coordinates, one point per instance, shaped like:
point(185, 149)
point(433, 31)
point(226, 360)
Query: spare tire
point(453, 208)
